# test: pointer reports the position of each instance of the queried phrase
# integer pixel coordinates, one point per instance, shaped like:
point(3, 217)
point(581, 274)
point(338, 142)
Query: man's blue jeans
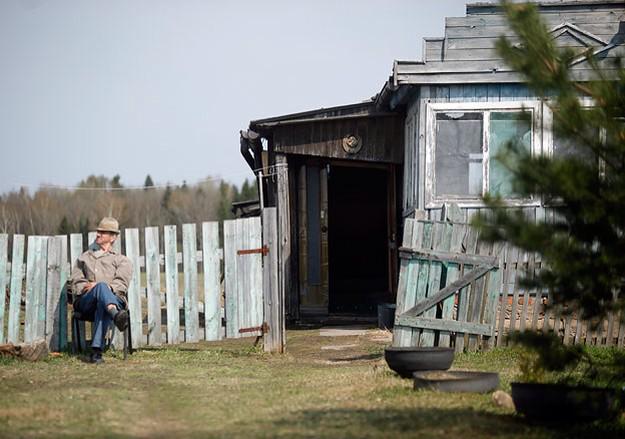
point(93, 306)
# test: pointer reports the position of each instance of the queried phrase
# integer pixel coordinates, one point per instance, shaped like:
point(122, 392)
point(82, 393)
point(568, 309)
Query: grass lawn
point(231, 389)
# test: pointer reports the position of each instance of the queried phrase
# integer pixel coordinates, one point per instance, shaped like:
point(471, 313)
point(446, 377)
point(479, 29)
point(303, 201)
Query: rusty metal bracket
point(264, 250)
point(264, 328)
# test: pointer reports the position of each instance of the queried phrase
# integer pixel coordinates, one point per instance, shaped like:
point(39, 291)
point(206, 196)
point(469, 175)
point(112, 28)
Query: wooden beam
point(443, 256)
point(450, 289)
point(445, 325)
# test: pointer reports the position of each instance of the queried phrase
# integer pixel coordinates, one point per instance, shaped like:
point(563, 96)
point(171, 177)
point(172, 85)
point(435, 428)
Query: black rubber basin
point(406, 360)
point(562, 403)
point(456, 381)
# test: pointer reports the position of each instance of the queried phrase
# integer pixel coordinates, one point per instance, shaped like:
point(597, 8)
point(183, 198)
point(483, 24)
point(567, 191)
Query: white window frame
point(431, 200)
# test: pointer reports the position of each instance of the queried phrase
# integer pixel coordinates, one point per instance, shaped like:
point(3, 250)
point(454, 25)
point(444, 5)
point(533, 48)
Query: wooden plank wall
point(473, 38)
point(382, 138)
point(469, 42)
point(154, 291)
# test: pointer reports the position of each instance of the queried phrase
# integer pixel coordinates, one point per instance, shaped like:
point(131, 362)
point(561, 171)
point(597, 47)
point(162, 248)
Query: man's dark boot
point(121, 320)
point(96, 357)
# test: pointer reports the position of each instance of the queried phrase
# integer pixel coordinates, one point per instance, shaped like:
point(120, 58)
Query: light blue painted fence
point(37, 305)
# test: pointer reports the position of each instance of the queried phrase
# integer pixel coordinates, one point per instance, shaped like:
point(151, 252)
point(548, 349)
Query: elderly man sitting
point(100, 277)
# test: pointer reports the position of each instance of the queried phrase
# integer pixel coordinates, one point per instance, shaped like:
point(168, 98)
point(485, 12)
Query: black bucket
point(386, 315)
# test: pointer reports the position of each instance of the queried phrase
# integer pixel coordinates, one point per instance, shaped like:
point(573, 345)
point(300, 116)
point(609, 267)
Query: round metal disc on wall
point(352, 143)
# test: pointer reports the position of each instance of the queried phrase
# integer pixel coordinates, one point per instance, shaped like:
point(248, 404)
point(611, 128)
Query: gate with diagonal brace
point(449, 286)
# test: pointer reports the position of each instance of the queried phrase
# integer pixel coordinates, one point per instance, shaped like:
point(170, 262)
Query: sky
point(162, 87)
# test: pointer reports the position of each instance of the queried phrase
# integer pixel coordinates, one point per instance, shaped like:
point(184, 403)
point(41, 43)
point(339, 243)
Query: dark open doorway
point(358, 239)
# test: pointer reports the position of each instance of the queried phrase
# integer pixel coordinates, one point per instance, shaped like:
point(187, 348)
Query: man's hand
point(88, 287)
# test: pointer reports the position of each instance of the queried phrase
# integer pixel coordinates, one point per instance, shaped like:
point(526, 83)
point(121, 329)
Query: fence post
point(273, 340)
point(4, 239)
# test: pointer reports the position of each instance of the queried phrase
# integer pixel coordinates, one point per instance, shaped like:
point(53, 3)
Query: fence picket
point(464, 294)
point(439, 239)
point(64, 276)
point(458, 232)
point(189, 257)
point(171, 285)
point(548, 311)
point(568, 319)
point(494, 288)
point(153, 279)
point(212, 289)
point(401, 334)
point(91, 239)
point(255, 276)
point(52, 318)
point(503, 296)
point(4, 242)
point(476, 305)
point(76, 247)
point(230, 278)
point(518, 272)
point(243, 268)
point(423, 241)
point(134, 293)
point(528, 270)
point(621, 332)
point(34, 319)
point(17, 278)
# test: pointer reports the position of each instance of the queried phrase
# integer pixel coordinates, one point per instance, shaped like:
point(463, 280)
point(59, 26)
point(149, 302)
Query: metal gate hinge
point(264, 250)
point(264, 328)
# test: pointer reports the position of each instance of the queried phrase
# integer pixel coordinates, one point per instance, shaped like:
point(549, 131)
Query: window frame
point(432, 201)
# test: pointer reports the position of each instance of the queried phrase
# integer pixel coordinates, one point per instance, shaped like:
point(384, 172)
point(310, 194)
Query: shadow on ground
point(429, 423)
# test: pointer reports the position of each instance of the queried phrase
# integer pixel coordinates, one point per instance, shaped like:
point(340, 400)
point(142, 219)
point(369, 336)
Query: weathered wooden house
point(344, 178)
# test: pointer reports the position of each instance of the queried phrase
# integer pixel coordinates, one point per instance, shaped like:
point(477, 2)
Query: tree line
point(51, 211)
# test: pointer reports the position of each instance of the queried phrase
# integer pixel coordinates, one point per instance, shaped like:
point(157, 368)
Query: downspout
point(251, 149)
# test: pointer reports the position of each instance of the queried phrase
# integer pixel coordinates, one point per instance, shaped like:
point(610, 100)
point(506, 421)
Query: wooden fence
point(455, 290)
point(217, 286)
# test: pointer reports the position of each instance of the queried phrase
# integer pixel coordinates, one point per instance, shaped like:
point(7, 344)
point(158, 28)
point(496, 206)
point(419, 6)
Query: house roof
point(342, 112)
point(467, 54)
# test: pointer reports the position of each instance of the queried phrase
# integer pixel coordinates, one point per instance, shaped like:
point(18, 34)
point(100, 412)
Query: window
point(464, 141)
point(563, 147)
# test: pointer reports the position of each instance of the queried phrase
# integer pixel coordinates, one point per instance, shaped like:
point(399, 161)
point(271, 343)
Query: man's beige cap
point(108, 224)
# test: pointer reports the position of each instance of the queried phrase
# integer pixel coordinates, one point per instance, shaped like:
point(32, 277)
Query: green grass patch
point(232, 389)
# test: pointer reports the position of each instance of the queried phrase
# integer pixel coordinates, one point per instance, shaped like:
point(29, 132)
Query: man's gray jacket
point(96, 265)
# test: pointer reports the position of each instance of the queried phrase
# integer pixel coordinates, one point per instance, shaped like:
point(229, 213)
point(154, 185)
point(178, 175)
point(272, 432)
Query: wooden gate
point(449, 284)
point(243, 255)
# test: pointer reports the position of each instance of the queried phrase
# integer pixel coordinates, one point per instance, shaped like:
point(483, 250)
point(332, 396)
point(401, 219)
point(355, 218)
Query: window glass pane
point(570, 147)
point(506, 126)
point(458, 155)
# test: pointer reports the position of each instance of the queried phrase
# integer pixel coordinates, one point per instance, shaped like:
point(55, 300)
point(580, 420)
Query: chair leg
point(128, 339)
point(76, 345)
point(126, 343)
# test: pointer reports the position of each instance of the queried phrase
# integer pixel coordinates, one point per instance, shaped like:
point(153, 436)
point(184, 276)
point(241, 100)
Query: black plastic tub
point(456, 381)
point(559, 402)
point(406, 360)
